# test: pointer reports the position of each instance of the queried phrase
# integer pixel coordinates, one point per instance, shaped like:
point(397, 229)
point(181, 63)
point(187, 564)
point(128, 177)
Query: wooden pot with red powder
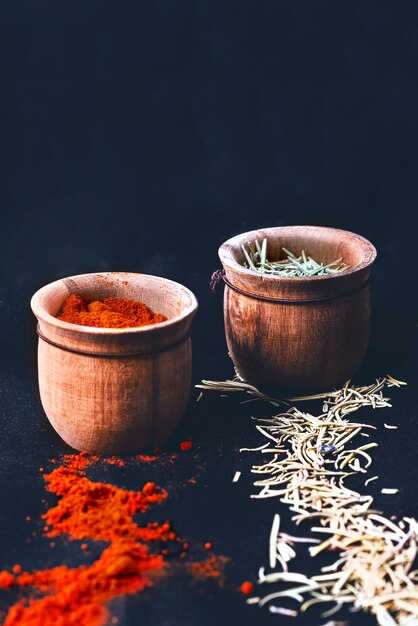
point(115, 390)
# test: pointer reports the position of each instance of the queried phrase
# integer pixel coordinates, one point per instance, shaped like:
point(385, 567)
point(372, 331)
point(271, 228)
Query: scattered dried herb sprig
point(237, 385)
point(292, 266)
point(373, 572)
point(310, 460)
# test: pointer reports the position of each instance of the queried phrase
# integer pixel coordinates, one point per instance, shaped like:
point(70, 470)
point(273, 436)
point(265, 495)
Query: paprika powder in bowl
point(298, 334)
point(115, 390)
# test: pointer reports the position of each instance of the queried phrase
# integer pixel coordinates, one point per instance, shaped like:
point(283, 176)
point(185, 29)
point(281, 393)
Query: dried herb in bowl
point(292, 266)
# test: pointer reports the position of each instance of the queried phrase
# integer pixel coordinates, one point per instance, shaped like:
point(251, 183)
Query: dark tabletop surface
point(138, 137)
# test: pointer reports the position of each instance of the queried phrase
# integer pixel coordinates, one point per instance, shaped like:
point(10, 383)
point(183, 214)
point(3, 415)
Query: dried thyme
point(308, 461)
point(255, 255)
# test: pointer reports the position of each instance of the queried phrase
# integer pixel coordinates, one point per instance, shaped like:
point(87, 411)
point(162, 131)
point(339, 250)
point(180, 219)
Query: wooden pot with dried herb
point(297, 306)
point(116, 389)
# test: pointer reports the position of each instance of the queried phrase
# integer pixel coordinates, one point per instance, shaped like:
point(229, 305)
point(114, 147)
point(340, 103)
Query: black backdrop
point(139, 136)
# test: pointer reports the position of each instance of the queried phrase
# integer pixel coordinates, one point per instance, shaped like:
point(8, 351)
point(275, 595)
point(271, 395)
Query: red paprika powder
point(109, 313)
point(66, 596)
point(99, 511)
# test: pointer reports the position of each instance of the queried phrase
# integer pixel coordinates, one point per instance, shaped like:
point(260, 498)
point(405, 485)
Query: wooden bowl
point(115, 390)
point(298, 335)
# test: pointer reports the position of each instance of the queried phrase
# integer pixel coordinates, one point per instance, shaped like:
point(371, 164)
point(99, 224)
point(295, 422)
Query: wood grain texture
point(306, 347)
point(123, 403)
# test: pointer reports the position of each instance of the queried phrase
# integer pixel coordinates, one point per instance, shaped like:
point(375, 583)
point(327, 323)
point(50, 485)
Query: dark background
point(138, 136)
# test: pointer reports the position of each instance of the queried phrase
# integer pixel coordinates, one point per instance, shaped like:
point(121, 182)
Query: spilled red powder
point(92, 510)
point(247, 588)
point(148, 489)
point(166, 459)
point(114, 460)
point(213, 567)
point(79, 461)
point(6, 580)
point(186, 445)
point(79, 595)
point(65, 596)
point(83, 460)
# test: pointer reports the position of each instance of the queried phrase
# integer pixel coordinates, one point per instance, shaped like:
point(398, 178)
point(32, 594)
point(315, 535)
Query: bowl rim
point(227, 259)
point(41, 313)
